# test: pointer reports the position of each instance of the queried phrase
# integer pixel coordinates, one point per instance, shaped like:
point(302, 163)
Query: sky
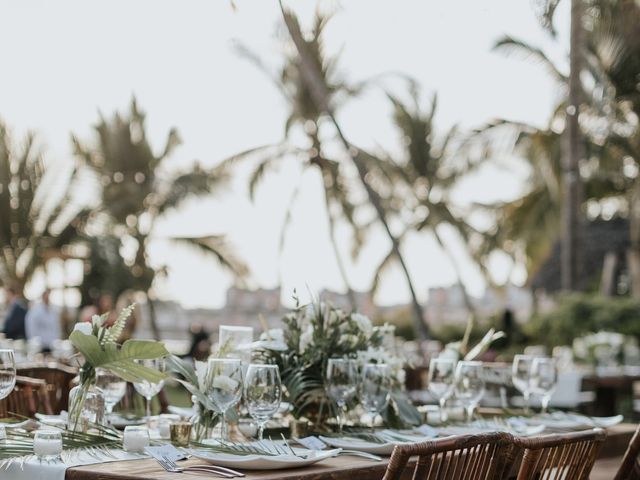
point(63, 62)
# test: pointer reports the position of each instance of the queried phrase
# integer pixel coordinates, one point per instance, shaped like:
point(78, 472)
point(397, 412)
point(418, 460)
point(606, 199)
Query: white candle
point(135, 439)
point(47, 445)
point(164, 429)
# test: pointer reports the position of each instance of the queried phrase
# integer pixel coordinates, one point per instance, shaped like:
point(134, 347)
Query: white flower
point(348, 339)
point(363, 323)
point(305, 339)
point(274, 335)
point(223, 382)
point(83, 327)
point(450, 353)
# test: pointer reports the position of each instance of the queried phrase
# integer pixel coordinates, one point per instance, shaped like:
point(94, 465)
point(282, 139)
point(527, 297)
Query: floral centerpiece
point(602, 349)
point(98, 344)
point(312, 335)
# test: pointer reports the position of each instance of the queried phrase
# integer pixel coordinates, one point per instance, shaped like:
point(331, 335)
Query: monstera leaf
point(120, 361)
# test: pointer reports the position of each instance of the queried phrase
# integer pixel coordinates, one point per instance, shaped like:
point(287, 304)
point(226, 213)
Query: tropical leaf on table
point(114, 332)
point(182, 367)
point(404, 409)
point(121, 361)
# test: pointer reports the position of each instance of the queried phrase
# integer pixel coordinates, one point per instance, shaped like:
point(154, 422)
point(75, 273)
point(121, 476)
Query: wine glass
point(113, 388)
point(7, 372)
point(441, 378)
point(375, 388)
point(223, 385)
point(469, 385)
point(262, 393)
point(521, 377)
point(150, 389)
point(341, 383)
point(544, 377)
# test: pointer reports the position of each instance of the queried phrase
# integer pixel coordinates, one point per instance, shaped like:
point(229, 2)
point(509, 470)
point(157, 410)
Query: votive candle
point(135, 439)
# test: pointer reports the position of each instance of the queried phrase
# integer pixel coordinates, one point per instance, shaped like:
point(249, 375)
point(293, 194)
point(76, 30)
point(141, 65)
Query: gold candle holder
point(180, 433)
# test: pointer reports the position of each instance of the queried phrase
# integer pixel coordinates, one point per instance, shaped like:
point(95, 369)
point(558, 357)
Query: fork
point(171, 466)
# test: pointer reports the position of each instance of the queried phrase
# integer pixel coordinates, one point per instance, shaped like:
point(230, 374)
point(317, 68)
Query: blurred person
point(103, 304)
point(43, 321)
point(200, 343)
point(16, 313)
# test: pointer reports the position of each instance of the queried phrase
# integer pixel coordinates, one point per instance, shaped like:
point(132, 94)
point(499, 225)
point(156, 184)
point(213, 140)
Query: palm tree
point(320, 94)
point(136, 189)
point(423, 178)
point(36, 222)
point(305, 117)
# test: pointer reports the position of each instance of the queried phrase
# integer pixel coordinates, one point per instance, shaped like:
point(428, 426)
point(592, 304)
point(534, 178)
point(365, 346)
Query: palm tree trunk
point(320, 96)
point(571, 206)
point(153, 318)
point(633, 254)
point(334, 244)
point(465, 295)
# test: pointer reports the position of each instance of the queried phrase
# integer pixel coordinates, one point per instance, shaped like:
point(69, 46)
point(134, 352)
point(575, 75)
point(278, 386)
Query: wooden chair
point(566, 456)
point(28, 397)
point(471, 457)
point(630, 466)
point(58, 378)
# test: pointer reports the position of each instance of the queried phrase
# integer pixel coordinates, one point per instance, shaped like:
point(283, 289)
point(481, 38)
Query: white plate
point(264, 462)
point(570, 421)
point(524, 431)
point(353, 443)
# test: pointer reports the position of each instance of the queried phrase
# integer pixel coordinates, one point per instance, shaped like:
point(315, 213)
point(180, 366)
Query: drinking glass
point(113, 388)
point(262, 393)
point(150, 389)
point(441, 378)
point(341, 382)
point(375, 388)
point(469, 385)
point(521, 377)
point(223, 385)
point(544, 377)
point(7, 372)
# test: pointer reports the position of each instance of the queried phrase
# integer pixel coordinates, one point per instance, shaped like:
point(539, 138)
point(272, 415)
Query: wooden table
point(609, 390)
point(340, 468)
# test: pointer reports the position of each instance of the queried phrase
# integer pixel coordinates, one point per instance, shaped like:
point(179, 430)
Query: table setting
point(326, 386)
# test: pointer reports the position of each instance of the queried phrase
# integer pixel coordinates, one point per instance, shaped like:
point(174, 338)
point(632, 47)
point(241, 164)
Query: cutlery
point(171, 466)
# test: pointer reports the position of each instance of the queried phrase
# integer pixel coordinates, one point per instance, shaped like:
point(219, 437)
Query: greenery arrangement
point(312, 335)
point(98, 344)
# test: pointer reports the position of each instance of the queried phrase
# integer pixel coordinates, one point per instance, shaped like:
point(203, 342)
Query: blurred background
point(172, 154)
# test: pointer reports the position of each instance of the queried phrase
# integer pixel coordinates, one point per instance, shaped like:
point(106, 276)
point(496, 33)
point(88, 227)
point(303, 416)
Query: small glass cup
point(135, 438)
point(164, 424)
point(180, 433)
point(47, 445)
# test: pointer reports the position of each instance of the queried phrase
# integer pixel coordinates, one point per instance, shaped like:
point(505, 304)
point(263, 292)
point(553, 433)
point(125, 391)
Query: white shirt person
point(43, 321)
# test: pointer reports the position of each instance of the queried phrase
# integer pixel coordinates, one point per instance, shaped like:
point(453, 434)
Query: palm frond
point(513, 46)
point(218, 247)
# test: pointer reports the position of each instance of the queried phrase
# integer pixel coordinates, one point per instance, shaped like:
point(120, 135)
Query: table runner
point(33, 469)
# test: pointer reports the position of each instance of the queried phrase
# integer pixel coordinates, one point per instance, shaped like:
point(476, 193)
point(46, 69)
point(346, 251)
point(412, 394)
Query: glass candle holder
point(135, 439)
point(47, 445)
point(180, 433)
point(164, 424)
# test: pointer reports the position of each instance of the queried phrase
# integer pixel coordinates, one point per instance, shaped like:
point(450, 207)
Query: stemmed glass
point(544, 377)
point(341, 382)
point(262, 393)
point(223, 385)
point(375, 388)
point(113, 388)
point(7, 372)
point(150, 389)
point(469, 385)
point(521, 377)
point(441, 379)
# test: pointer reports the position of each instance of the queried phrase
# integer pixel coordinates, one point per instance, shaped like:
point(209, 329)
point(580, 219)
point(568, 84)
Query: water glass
point(440, 379)
point(341, 383)
point(150, 389)
point(521, 377)
point(375, 388)
point(223, 385)
point(113, 388)
point(469, 385)
point(7, 372)
point(47, 445)
point(544, 377)
point(262, 393)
